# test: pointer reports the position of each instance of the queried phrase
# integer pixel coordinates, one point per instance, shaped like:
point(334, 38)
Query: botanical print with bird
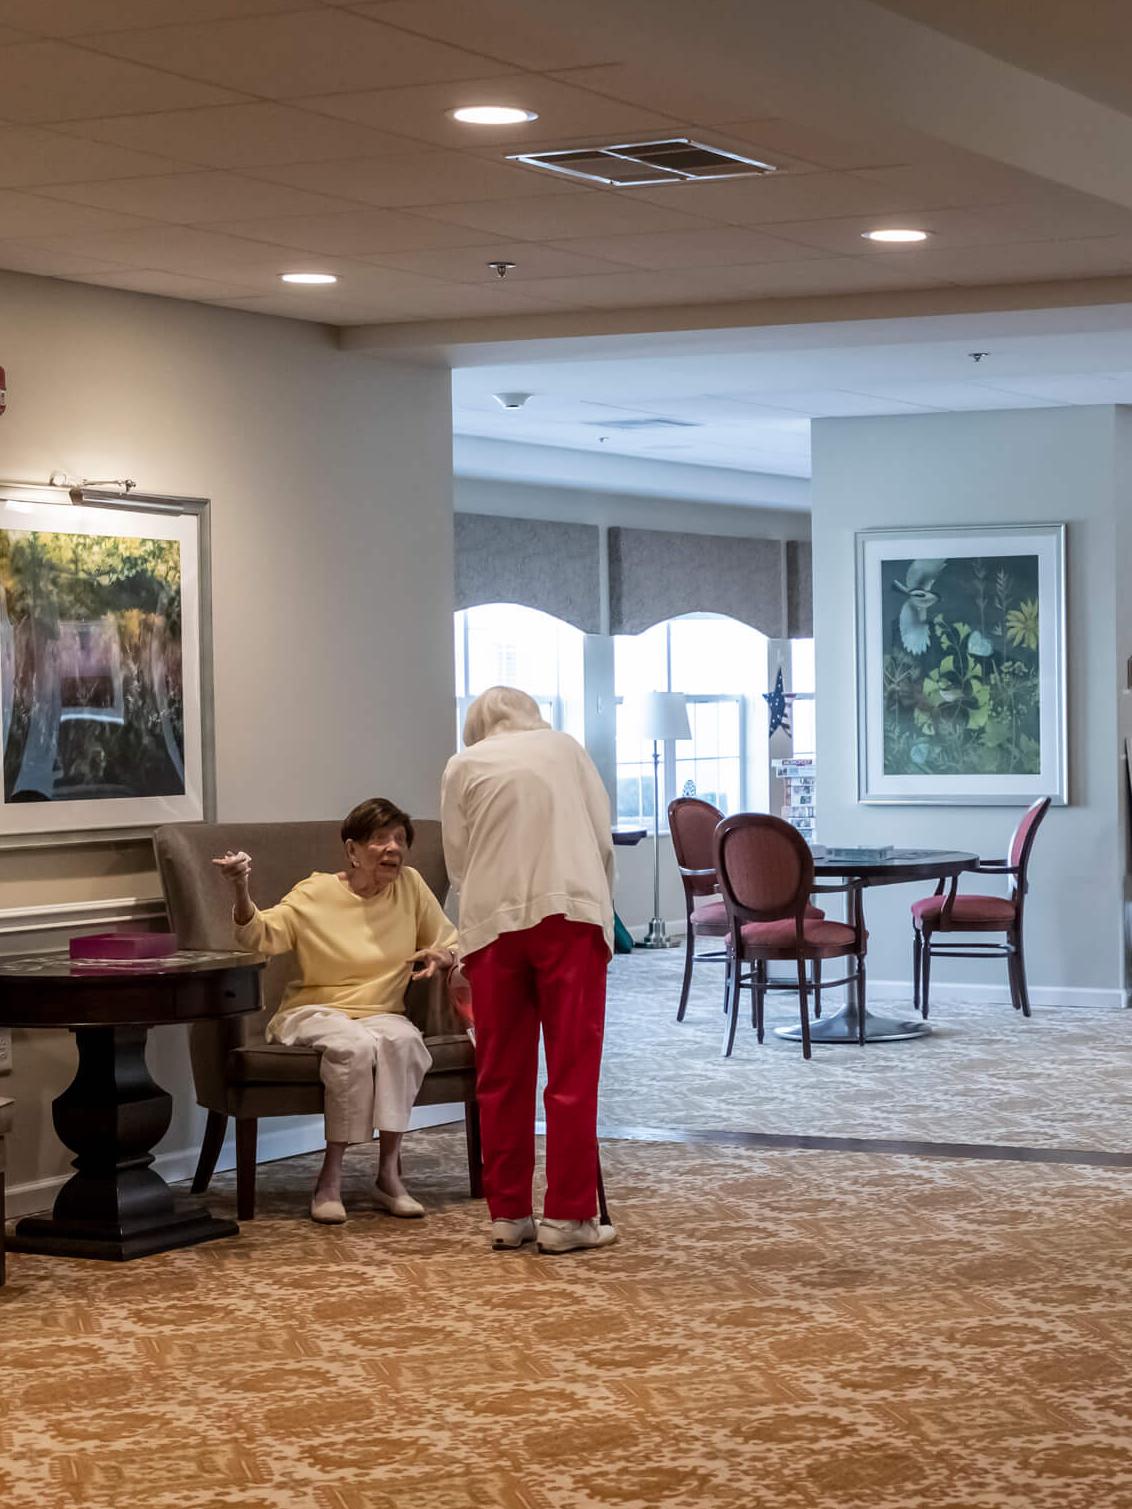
point(962, 674)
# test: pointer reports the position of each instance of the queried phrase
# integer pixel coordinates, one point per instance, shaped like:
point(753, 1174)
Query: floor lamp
point(664, 715)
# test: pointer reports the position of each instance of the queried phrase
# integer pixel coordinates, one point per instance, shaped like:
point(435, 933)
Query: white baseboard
point(951, 992)
point(282, 1137)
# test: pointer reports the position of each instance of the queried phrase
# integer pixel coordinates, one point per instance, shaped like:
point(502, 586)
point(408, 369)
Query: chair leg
point(689, 956)
point(211, 1143)
point(758, 991)
point(246, 1129)
point(3, 1268)
point(862, 1002)
point(815, 970)
point(804, 1007)
point(925, 974)
point(475, 1148)
point(1016, 967)
point(917, 965)
point(729, 964)
point(733, 1006)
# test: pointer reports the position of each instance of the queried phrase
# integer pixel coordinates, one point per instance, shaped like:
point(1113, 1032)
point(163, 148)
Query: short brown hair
point(374, 813)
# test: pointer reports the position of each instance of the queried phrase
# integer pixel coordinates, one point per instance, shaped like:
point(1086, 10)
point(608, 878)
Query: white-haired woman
point(527, 840)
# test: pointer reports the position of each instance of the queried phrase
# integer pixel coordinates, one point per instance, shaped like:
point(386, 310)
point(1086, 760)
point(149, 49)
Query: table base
point(184, 1225)
point(842, 1027)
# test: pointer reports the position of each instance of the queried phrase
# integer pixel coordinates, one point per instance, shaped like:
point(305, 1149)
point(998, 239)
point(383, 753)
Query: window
point(720, 665)
point(504, 644)
point(802, 722)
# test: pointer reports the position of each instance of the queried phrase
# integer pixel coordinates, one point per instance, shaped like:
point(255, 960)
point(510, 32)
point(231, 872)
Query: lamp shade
point(664, 715)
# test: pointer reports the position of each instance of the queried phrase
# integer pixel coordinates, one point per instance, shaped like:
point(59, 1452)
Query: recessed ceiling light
point(895, 235)
point(492, 115)
point(308, 277)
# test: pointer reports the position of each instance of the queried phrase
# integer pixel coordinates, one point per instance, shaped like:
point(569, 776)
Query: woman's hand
point(429, 960)
point(234, 867)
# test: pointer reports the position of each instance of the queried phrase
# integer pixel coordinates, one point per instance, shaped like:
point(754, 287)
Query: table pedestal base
point(842, 1027)
point(115, 1206)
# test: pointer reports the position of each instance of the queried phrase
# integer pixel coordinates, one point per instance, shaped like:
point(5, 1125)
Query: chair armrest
point(995, 867)
point(428, 1008)
point(834, 890)
point(695, 874)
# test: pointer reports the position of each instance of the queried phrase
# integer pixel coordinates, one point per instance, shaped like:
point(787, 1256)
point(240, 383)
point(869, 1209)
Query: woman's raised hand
point(234, 867)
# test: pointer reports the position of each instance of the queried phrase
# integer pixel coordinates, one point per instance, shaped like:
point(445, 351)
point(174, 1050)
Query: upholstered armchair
point(237, 1073)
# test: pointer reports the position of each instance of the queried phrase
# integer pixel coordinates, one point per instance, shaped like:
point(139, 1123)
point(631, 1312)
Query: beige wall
point(330, 480)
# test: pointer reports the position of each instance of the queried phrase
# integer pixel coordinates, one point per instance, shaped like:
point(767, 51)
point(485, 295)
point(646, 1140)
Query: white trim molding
point(67, 916)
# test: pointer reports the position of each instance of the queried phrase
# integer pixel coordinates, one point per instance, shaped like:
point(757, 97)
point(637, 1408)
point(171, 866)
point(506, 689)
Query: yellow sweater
point(353, 953)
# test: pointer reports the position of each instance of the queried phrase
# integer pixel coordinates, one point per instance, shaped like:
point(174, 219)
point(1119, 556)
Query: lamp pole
point(657, 935)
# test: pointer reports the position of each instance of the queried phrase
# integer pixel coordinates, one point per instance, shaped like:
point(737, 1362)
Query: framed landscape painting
point(961, 665)
point(104, 666)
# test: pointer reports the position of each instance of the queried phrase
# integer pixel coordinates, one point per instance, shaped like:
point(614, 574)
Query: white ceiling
point(744, 400)
point(198, 148)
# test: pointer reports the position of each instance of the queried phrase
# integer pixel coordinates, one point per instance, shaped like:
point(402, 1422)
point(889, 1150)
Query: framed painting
point(105, 666)
point(961, 665)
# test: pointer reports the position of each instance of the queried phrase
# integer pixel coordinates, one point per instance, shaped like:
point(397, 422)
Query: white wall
point(330, 480)
point(1028, 466)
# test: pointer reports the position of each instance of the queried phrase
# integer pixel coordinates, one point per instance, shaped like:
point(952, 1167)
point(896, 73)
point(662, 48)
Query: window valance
point(553, 567)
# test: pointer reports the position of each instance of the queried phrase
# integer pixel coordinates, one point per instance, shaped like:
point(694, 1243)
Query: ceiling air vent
point(677, 160)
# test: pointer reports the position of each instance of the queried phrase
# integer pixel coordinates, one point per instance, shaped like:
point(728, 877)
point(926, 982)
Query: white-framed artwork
point(961, 665)
point(105, 665)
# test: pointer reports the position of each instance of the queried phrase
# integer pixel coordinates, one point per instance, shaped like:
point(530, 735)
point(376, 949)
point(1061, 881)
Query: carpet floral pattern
point(985, 1075)
point(775, 1328)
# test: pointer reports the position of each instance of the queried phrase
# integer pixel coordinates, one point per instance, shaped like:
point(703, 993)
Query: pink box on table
point(130, 946)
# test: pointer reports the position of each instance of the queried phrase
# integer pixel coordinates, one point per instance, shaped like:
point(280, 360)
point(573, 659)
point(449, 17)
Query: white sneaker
point(398, 1205)
point(507, 1235)
point(573, 1236)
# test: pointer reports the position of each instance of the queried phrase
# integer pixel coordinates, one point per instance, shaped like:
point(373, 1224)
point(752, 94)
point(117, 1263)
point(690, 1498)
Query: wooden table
point(901, 868)
point(116, 1205)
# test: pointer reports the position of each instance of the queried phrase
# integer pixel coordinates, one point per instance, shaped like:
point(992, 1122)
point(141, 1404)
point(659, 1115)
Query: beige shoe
point(507, 1235)
point(573, 1236)
point(398, 1205)
point(328, 1212)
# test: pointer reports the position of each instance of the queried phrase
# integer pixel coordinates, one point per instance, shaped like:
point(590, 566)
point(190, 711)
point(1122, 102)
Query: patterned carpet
point(985, 1075)
point(775, 1329)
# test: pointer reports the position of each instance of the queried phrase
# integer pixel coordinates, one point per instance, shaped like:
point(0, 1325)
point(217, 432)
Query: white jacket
point(526, 835)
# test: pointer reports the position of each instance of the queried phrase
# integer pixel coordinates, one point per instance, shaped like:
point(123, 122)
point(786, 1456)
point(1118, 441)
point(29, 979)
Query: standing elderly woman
point(356, 936)
point(527, 839)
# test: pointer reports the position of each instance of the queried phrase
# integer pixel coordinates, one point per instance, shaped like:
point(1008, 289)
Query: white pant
point(371, 1067)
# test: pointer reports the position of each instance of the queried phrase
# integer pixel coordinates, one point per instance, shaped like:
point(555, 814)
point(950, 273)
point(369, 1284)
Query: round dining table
point(900, 867)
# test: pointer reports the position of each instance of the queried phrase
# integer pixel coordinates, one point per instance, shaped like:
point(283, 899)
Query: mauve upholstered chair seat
point(967, 911)
point(779, 939)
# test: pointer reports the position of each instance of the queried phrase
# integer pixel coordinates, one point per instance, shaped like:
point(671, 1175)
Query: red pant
point(554, 975)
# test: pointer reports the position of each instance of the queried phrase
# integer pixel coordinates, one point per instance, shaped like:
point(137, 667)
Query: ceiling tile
point(396, 307)
point(170, 285)
point(50, 262)
point(1027, 261)
point(23, 215)
point(953, 228)
point(196, 198)
point(592, 212)
point(422, 178)
point(240, 136)
point(52, 81)
point(967, 181)
point(543, 37)
point(635, 85)
point(469, 264)
point(565, 114)
point(714, 246)
point(359, 233)
point(29, 156)
point(779, 196)
point(307, 52)
point(884, 148)
point(948, 396)
point(67, 18)
point(168, 248)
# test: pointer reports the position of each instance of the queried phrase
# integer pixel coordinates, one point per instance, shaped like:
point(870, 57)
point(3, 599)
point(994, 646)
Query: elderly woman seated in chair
point(357, 936)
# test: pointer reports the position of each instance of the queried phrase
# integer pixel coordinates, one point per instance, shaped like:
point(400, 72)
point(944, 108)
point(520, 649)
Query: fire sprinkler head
point(501, 269)
point(511, 400)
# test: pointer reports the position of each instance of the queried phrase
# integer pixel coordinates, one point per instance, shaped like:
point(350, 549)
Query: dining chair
point(766, 877)
point(973, 913)
point(692, 824)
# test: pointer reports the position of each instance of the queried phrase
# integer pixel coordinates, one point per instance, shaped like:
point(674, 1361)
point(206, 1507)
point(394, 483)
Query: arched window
point(721, 667)
point(503, 644)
